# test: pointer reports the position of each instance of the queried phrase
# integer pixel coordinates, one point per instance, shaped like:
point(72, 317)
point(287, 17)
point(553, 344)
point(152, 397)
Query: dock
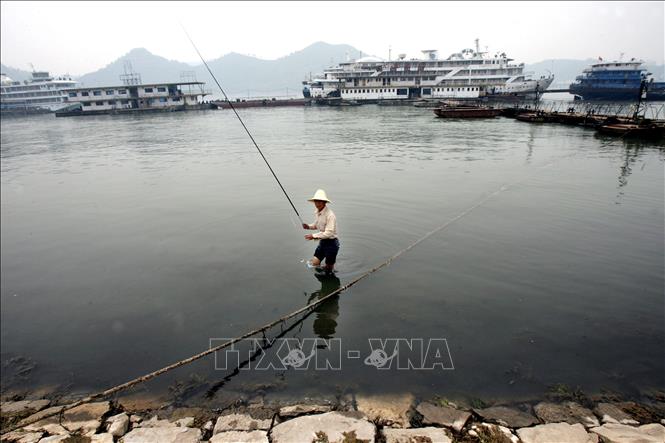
point(262, 103)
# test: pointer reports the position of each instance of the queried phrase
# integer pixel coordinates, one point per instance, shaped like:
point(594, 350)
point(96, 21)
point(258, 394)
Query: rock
point(163, 435)
point(55, 439)
point(240, 422)
point(240, 437)
point(506, 416)
point(443, 416)
point(135, 418)
point(118, 425)
point(39, 415)
point(387, 410)
point(493, 433)
point(618, 433)
point(610, 413)
point(335, 425)
point(86, 418)
point(567, 412)
point(155, 422)
point(209, 426)
point(101, 438)
point(22, 437)
point(643, 413)
point(556, 432)
point(297, 410)
point(48, 427)
point(23, 406)
point(434, 435)
point(187, 422)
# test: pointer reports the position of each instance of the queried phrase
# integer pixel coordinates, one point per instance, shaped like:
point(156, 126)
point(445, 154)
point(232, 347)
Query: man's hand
point(309, 237)
point(305, 226)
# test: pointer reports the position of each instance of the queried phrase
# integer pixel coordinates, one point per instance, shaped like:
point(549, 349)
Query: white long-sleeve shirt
point(326, 223)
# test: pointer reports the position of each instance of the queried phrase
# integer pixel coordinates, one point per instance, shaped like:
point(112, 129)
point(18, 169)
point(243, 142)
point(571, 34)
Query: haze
point(77, 38)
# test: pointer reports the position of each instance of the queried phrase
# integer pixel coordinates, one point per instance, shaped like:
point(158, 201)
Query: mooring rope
point(151, 375)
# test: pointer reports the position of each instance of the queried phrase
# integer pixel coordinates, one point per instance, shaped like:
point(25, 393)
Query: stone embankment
point(382, 419)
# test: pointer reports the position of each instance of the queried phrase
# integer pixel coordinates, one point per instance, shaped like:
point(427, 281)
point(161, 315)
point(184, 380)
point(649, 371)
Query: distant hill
point(15, 74)
point(237, 73)
point(152, 68)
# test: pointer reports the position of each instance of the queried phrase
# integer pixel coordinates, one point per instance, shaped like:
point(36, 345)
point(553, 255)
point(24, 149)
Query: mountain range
point(243, 75)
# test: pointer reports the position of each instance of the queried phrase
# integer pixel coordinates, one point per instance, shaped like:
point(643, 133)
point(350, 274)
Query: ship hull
point(612, 94)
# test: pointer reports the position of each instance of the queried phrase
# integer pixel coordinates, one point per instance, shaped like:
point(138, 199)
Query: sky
point(81, 37)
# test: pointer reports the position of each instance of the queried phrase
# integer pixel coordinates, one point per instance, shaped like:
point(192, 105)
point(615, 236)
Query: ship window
point(125, 102)
point(111, 102)
point(85, 94)
point(148, 90)
point(99, 103)
point(86, 103)
point(109, 92)
point(122, 91)
point(161, 89)
point(97, 93)
point(72, 94)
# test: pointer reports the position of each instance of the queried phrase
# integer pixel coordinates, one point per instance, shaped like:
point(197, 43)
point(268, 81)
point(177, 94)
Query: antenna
point(390, 48)
point(130, 78)
point(477, 45)
point(33, 68)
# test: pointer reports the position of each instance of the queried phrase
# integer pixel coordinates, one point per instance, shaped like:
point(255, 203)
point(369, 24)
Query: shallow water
point(129, 242)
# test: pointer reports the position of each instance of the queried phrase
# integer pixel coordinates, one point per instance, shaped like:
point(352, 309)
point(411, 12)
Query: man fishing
point(326, 223)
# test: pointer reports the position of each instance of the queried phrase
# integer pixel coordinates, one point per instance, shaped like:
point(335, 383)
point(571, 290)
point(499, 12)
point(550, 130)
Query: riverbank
point(564, 415)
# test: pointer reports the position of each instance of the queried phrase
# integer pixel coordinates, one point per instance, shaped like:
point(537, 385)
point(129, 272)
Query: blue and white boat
point(616, 80)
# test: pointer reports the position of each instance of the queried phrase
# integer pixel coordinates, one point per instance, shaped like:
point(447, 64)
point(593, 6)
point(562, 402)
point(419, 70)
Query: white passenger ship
point(467, 74)
point(42, 93)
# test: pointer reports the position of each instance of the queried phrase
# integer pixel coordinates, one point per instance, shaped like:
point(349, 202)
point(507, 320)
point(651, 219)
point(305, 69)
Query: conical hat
point(320, 194)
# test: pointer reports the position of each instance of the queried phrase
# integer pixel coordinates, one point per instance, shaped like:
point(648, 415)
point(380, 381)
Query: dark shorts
point(327, 249)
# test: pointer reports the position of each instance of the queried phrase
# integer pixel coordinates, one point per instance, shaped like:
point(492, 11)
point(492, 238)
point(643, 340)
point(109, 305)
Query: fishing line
point(242, 123)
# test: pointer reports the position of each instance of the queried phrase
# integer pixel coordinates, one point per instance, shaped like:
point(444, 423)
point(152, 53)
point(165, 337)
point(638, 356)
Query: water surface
point(128, 242)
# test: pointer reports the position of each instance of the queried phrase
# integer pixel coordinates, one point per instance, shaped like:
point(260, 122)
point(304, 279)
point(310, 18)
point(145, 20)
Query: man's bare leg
point(315, 261)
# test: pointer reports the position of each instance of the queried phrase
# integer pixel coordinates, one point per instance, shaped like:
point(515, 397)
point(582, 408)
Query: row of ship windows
point(365, 91)
point(33, 88)
point(34, 94)
point(112, 92)
point(123, 102)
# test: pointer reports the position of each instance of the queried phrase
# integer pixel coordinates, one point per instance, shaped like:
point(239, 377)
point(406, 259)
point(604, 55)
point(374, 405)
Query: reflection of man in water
point(328, 311)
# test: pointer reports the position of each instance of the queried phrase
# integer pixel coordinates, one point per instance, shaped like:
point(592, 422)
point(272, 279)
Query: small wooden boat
point(651, 130)
point(466, 112)
point(533, 117)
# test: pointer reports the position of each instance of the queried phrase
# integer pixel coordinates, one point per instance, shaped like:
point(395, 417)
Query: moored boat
point(616, 80)
point(642, 130)
point(466, 112)
point(469, 74)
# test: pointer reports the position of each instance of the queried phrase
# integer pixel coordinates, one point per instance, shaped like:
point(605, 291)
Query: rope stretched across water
point(146, 377)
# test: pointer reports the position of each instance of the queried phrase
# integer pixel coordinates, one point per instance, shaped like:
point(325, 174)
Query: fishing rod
point(243, 124)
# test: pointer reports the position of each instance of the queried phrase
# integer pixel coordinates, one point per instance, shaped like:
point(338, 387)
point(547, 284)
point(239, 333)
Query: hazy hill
point(15, 74)
point(152, 68)
point(236, 72)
